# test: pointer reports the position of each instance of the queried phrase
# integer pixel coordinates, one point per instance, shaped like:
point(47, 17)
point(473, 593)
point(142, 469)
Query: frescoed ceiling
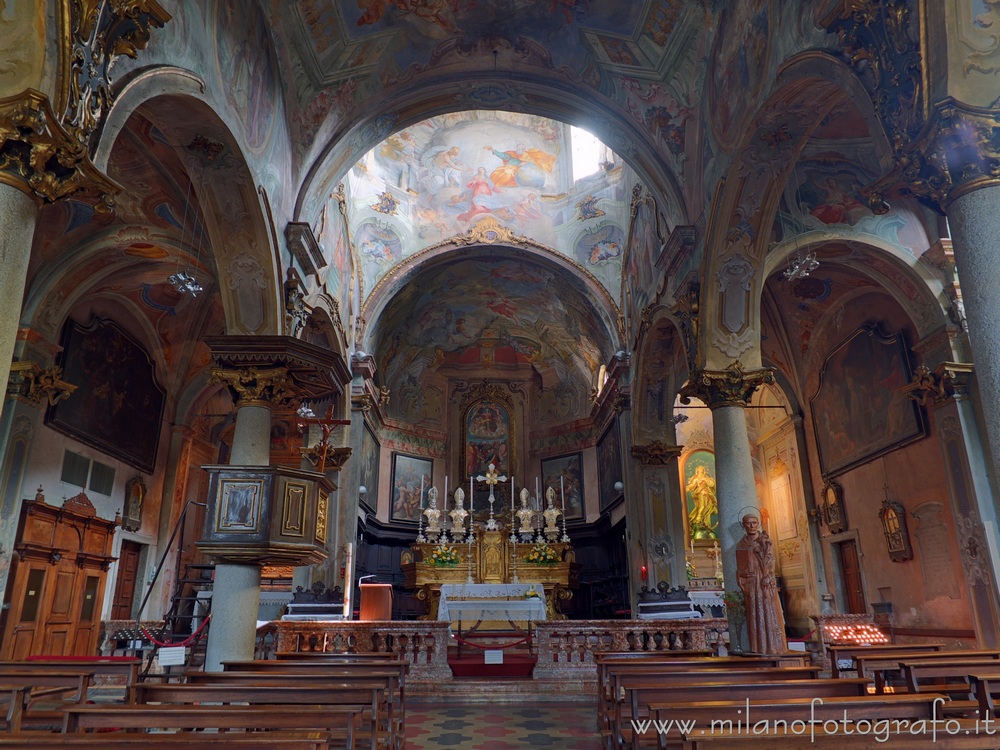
point(484, 312)
point(438, 179)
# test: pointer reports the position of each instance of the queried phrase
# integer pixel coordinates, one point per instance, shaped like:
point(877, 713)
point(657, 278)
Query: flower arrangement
point(542, 554)
point(444, 556)
point(531, 593)
point(692, 571)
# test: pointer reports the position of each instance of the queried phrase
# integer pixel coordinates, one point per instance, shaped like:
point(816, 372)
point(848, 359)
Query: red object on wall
point(644, 572)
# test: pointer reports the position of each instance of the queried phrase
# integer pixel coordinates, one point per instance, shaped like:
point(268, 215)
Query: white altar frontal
point(473, 602)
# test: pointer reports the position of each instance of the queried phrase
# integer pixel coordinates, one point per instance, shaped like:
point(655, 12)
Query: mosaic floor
point(556, 726)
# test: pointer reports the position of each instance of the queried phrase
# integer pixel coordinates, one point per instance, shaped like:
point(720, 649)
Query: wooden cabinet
point(57, 591)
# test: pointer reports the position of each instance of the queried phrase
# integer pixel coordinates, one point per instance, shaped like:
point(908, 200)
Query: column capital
point(256, 386)
point(30, 383)
point(730, 387)
point(956, 152)
point(946, 382)
point(42, 159)
point(656, 453)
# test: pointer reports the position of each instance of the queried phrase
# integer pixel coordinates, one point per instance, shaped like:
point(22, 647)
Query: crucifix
point(492, 478)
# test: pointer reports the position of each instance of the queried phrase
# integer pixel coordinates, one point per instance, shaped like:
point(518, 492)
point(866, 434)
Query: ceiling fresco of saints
point(492, 314)
point(437, 179)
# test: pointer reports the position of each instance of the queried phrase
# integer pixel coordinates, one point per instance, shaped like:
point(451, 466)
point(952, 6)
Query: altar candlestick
point(471, 495)
point(446, 492)
point(538, 495)
point(562, 491)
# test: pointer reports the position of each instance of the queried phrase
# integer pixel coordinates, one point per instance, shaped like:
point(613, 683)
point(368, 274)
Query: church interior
point(303, 297)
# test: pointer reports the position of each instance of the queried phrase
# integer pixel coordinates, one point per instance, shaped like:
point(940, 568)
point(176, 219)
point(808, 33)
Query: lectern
point(376, 601)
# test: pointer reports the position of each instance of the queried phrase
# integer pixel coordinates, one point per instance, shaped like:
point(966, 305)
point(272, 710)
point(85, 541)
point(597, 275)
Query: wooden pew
point(900, 706)
point(638, 697)
point(986, 686)
point(951, 677)
point(331, 721)
point(681, 661)
point(965, 734)
point(361, 699)
point(118, 666)
point(389, 675)
point(847, 653)
point(620, 682)
point(19, 691)
point(167, 741)
point(880, 666)
point(261, 671)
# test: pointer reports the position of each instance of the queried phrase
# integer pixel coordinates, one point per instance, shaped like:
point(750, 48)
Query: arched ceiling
point(440, 178)
point(516, 317)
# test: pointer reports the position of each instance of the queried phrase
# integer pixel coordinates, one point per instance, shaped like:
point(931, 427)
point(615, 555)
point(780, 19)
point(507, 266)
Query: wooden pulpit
point(376, 601)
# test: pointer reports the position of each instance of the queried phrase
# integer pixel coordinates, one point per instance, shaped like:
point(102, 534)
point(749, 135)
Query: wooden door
point(850, 570)
point(128, 570)
point(26, 609)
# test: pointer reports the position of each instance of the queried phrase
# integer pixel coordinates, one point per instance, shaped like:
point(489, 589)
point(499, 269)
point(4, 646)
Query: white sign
point(172, 656)
point(493, 656)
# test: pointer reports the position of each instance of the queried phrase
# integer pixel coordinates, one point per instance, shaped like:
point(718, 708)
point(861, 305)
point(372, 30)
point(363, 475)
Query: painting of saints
point(487, 433)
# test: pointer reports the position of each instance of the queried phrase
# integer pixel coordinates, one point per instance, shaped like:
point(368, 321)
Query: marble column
point(974, 220)
point(236, 592)
point(19, 213)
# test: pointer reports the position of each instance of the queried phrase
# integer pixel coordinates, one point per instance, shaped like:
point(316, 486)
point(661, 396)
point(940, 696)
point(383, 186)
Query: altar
point(491, 558)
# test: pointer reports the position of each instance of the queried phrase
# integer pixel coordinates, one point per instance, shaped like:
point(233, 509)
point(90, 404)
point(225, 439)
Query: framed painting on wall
point(609, 464)
point(860, 411)
point(699, 495)
point(409, 473)
point(370, 454)
point(488, 432)
point(569, 469)
point(118, 407)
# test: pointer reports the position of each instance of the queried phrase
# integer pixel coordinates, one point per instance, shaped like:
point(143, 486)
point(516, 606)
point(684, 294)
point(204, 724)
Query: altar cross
point(492, 478)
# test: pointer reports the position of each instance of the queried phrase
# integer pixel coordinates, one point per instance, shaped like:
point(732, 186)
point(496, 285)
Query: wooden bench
point(389, 675)
point(19, 692)
point(881, 666)
point(948, 677)
point(365, 700)
point(962, 735)
point(621, 681)
point(986, 686)
point(333, 722)
point(167, 741)
point(638, 697)
point(683, 661)
point(846, 653)
point(394, 671)
point(726, 713)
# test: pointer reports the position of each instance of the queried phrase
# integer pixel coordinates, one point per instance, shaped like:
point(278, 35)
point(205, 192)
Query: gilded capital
point(958, 151)
point(41, 158)
point(730, 387)
point(656, 453)
point(30, 383)
point(947, 381)
point(257, 386)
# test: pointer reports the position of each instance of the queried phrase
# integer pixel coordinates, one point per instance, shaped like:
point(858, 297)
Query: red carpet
point(474, 665)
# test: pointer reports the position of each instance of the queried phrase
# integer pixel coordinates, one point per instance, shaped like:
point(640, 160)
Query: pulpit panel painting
point(118, 406)
point(487, 438)
point(699, 493)
point(409, 474)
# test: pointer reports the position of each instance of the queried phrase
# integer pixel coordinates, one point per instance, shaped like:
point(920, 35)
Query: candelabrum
point(468, 557)
point(421, 539)
point(565, 536)
point(540, 536)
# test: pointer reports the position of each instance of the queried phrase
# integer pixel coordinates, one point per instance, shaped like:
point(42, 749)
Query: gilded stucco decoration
point(256, 386)
point(730, 387)
point(31, 383)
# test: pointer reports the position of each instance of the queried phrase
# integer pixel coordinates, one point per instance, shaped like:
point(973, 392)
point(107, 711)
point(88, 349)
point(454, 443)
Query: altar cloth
point(491, 601)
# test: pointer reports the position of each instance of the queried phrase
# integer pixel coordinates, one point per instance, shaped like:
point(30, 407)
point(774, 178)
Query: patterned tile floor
point(555, 726)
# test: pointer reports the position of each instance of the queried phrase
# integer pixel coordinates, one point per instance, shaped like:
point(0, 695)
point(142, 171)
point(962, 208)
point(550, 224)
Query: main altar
point(491, 558)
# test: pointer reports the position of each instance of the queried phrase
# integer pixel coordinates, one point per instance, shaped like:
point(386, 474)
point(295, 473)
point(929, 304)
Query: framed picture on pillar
point(609, 464)
point(409, 474)
point(860, 411)
point(370, 455)
point(564, 474)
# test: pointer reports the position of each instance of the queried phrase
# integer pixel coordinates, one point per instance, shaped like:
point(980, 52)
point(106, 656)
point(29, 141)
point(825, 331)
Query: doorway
point(850, 576)
point(128, 573)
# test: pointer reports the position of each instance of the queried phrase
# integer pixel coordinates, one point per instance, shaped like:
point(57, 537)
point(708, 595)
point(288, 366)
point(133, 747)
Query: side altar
point(492, 558)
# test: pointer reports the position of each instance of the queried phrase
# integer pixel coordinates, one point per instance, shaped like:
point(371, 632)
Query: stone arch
point(746, 202)
point(541, 93)
point(240, 240)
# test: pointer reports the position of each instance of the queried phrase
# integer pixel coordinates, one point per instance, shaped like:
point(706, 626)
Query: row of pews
point(327, 702)
point(923, 697)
